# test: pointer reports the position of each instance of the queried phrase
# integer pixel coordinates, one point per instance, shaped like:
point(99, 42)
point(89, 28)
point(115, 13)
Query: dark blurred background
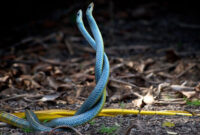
point(20, 19)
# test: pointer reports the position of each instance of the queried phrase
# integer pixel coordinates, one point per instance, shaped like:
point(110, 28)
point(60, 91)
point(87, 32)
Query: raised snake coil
point(94, 104)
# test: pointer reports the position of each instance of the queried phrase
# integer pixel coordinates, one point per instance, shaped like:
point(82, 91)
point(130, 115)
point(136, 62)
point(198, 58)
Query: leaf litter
point(47, 72)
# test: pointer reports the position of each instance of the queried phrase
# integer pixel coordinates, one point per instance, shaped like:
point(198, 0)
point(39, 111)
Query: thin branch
point(123, 82)
point(185, 71)
point(21, 96)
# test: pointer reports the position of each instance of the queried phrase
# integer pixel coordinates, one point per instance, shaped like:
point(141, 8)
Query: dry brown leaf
point(189, 94)
point(148, 98)
point(19, 67)
point(65, 86)
point(35, 85)
point(25, 77)
point(78, 92)
point(52, 83)
point(145, 64)
point(129, 64)
point(141, 68)
point(57, 71)
point(189, 67)
point(28, 82)
point(60, 102)
point(122, 96)
point(180, 67)
point(138, 102)
point(46, 68)
point(71, 99)
point(115, 98)
point(197, 88)
point(4, 78)
point(160, 88)
point(39, 76)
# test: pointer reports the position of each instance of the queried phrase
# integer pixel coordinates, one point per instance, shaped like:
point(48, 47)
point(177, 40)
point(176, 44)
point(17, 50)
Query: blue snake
point(94, 103)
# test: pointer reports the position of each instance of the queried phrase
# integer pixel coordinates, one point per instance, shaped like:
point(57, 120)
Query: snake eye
point(79, 13)
point(91, 6)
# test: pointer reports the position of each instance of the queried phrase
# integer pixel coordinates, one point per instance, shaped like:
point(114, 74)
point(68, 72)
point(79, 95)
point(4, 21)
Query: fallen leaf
point(172, 133)
point(52, 83)
point(189, 94)
point(61, 102)
point(57, 71)
point(39, 76)
point(148, 98)
point(115, 98)
point(129, 64)
point(138, 102)
point(160, 88)
point(168, 124)
point(50, 97)
point(46, 68)
point(65, 86)
point(71, 100)
point(4, 78)
point(28, 82)
point(145, 64)
point(197, 88)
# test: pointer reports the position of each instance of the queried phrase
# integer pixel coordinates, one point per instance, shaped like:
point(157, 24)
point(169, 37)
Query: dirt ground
point(154, 65)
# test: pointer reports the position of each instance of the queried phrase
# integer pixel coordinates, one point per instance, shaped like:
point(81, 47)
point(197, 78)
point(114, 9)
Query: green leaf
point(92, 122)
point(108, 130)
point(168, 124)
point(45, 121)
point(193, 103)
point(122, 105)
point(27, 130)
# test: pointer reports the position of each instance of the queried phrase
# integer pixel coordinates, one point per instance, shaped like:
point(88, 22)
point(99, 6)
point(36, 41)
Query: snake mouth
point(90, 8)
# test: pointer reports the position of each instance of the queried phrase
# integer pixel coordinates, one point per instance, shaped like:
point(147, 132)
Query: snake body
point(100, 56)
point(14, 120)
point(94, 104)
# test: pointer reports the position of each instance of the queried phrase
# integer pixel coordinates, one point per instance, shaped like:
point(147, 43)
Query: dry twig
point(123, 82)
point(21, 96)
point(185, 71)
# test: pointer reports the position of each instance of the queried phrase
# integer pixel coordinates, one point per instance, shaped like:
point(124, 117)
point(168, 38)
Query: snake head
point(79, 16)
point(90, 9)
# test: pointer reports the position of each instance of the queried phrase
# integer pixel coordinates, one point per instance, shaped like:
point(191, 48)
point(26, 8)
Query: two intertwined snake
point(94, 104)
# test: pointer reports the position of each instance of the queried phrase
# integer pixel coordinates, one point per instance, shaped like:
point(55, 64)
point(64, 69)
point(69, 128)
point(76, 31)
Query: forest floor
point(55, 70)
